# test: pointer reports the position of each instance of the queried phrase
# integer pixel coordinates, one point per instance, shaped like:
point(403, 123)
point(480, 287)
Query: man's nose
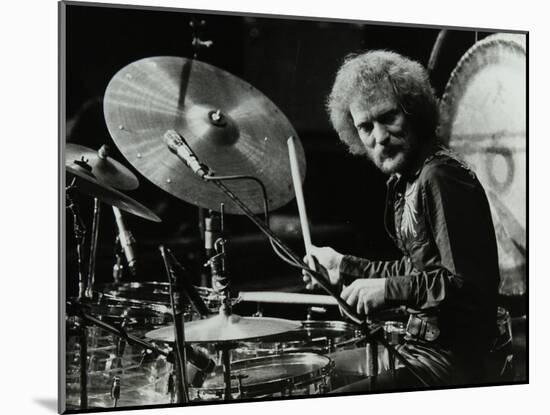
point(380, 133)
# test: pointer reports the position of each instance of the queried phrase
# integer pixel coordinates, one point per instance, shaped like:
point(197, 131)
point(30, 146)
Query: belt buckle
point(419, 328)
point(432, 332)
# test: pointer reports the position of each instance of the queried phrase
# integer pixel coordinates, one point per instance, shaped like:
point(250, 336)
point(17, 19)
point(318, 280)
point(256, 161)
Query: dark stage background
point(293, 62)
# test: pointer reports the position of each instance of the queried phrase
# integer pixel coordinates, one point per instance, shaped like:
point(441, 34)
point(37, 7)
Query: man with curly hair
point(383, 106)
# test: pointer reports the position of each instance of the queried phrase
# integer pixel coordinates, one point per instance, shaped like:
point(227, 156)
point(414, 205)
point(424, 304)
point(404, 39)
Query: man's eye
point(389, 117)
point(366, 127)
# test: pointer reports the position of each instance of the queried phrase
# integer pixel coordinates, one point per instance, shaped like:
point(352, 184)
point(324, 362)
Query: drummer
point(383, 107)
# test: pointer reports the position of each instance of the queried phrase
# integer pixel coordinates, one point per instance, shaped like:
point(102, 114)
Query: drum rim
point(349, 332)
point(263, 387)
point(111, 291)
point(336, 324)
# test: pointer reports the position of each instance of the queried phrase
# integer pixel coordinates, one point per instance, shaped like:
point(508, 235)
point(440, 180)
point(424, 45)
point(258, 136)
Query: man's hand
point(327, 258)
point(365, 294)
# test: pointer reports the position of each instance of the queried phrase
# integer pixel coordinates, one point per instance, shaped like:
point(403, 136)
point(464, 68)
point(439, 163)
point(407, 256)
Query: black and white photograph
point(260, 207)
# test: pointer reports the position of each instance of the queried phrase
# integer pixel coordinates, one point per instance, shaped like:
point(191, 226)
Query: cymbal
point(231, 126)
point(106, 169)
point(86, 183)
point(223, 328)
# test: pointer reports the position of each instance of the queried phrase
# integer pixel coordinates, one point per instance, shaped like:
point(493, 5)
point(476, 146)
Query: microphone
point(184, 286)
point(126, 240)
point(212, 231)
point(177, 145)
point(199, 365)
point(189, 361)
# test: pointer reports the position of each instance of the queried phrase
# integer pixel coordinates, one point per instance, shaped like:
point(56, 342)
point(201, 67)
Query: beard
point(393, 158)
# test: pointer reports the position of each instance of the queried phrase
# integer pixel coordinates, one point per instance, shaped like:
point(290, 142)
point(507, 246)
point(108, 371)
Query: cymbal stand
point(178, 313)
point(197, 28)
point(79, 230)
point(372, 335)
point(220, 284)
point(187, 288)
point(93, 249)
point(226, 361)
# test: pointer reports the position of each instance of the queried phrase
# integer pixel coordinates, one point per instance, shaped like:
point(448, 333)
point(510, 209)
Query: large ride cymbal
point(226, 328)
point(86, 183)
point(106, 169)
point(231, 126)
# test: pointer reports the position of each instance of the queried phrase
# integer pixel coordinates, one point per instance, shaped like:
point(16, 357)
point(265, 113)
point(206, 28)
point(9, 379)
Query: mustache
point(390, 149)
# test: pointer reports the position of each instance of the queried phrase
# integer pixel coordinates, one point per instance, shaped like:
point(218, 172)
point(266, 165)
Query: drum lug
point(288, 387)
point(324, 386)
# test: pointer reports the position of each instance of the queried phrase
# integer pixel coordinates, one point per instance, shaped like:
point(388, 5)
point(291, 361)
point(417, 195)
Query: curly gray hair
point(381, 74)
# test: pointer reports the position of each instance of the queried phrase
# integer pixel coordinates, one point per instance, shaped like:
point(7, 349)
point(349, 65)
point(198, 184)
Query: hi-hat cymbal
point(232, 127)
point(106, 169)
point(86, 183)
point(223, 328)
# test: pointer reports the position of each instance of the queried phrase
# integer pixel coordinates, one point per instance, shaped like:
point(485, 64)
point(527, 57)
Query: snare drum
point(314, 336)
point(289, 374)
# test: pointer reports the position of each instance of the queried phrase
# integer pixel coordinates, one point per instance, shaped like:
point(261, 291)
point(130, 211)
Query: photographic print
point(262, 207)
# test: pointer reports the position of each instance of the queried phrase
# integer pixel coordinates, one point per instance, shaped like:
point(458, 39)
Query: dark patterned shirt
point(441, 221)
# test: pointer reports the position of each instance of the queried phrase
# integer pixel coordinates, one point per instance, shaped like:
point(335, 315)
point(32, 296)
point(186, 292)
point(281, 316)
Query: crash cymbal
point(223, 328)
point(106, 169)
point(86, 183)
point(231, 126)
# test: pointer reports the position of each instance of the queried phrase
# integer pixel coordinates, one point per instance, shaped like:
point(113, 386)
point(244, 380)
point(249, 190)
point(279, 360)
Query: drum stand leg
point(83, 349)
point(79, 230)
point(371, 355)
point(93, 248)
point(226, 361)
point(178, 311)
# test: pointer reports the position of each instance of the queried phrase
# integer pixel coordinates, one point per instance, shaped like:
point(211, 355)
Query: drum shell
point(315, 336)
point(153, 296)
point(143, 376)
point(289, 374)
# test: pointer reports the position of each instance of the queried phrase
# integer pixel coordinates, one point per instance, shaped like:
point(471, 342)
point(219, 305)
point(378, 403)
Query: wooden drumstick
point(286, 298)
point(304, 223)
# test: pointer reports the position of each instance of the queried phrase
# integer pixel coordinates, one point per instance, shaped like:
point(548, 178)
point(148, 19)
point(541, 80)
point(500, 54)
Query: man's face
point(386, 134)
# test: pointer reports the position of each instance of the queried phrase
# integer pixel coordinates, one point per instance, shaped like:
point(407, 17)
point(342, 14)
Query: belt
point(424, 328)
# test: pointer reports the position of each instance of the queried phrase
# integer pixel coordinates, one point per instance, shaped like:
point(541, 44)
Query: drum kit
point(212, 140)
